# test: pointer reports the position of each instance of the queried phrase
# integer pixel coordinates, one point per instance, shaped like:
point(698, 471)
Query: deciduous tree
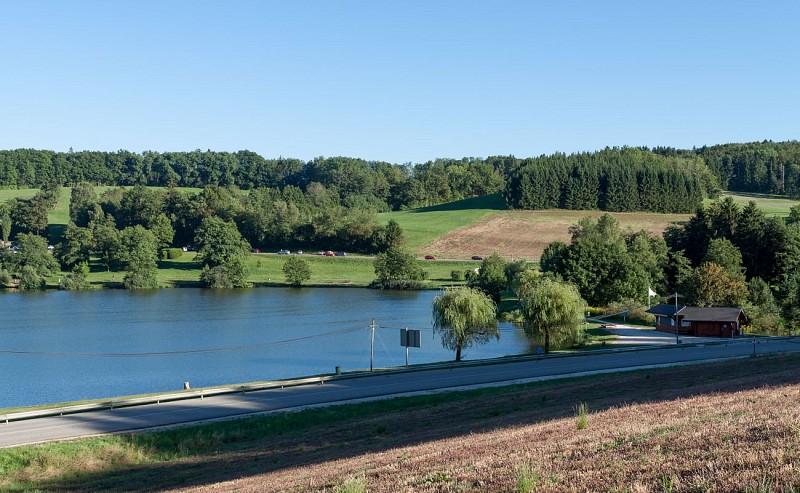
point(296, 270)
point(395, 267)
point(138, 251)
point(222, 250)
point(464, 317)
point(551, 309)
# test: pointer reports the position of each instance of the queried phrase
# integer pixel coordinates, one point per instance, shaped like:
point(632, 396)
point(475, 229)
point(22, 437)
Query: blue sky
point(401, 81)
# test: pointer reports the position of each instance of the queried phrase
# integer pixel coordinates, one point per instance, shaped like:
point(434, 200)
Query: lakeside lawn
point(267, 270)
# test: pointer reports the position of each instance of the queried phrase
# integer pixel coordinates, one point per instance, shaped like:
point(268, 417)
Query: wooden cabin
point(713, 321)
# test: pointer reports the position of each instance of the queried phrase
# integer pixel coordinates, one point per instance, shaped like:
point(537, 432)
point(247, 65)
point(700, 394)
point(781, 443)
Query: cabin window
point(684, 323)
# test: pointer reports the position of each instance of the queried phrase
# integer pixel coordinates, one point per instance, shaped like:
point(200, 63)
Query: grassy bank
point(729, 426)
point(422, 226)
point(267, 270)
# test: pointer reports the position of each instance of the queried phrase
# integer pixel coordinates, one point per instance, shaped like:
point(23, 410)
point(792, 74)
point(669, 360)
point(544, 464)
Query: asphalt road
point(370, 387)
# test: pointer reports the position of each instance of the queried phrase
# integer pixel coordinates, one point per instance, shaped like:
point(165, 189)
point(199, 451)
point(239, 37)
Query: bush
point(5, 277)
point(456, 275)
point(75, 280)
point(171, 253)
point(636, 312)
point(398, 284)
point(30, 280)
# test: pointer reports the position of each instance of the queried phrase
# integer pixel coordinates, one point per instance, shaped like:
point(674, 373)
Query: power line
point(187, 351)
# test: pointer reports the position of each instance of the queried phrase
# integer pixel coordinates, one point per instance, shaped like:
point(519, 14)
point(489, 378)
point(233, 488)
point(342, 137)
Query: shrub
point(398, 284)
point(456, 275)
point(30, 280)
point(636, 312)
point(171, 253)
point(5, 277)
point(75, 280)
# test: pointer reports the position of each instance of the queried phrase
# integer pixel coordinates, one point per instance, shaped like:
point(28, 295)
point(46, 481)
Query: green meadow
point(771, 205)
point(422, 226)
point(266, 269)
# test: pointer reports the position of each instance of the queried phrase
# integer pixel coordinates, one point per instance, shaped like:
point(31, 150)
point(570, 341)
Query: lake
point(59, 346)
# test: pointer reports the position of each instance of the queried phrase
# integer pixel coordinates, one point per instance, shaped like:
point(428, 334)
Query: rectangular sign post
point(409, 338)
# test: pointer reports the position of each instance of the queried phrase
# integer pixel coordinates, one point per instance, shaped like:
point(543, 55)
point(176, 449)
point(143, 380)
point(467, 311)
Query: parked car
point(284, 252)
point(430, 257)
point(328, 253)
point(299, 252)
point(252, 250)
point(477, 257)
point(341, 254)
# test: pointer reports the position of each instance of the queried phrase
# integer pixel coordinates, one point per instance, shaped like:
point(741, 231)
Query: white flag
point(650, 292)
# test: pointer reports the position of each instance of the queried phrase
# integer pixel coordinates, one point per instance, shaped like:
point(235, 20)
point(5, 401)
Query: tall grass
point(527, 478)
point(583, 416)
point(352, 485)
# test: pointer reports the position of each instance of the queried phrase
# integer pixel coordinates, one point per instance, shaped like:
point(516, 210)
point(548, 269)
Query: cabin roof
point(699, 313)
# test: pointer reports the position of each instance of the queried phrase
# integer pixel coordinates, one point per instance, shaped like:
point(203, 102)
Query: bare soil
point(525, 234)
point(725, 427)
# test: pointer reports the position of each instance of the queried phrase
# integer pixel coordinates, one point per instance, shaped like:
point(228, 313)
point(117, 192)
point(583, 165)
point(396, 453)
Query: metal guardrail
point(158, 399)
point(319, 380)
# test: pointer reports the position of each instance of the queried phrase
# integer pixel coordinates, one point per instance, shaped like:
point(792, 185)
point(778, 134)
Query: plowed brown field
point(525, 234)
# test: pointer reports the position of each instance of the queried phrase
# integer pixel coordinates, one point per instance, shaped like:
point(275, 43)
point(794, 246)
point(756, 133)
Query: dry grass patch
point(741, 441)
point(732, 426)
point(525, 234)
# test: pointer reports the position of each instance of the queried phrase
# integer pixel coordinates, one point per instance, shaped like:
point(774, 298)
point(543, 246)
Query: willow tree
point(551, 309)
point(464, 317)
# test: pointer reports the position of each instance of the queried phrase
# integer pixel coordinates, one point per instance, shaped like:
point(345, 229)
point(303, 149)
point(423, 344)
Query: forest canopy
point(661, 179)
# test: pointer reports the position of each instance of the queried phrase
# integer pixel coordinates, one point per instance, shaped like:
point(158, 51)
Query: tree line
point(356, 182)
point(725, 255)
point(619, 179)
point(754, 167)
point(661, 179)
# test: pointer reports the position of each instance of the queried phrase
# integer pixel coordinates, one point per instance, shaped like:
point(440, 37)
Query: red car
point(328, 253)
point(430, 257)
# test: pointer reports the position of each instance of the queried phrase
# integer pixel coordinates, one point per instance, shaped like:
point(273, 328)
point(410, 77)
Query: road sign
point(409, 337)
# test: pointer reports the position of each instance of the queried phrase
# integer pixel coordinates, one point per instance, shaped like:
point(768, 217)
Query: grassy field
point(423, 226)
point(483, 226)
point(267, 270)
point(730, 426)
point(771, 205)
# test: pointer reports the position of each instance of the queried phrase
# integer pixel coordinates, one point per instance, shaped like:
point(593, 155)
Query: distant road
point(380, 385)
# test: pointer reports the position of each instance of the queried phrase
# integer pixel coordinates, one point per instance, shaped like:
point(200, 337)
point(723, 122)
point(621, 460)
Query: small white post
point(372, 345)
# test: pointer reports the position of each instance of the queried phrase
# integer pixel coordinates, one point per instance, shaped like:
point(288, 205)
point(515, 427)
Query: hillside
point(525, 234)
point(731, 426)
point(483, 225)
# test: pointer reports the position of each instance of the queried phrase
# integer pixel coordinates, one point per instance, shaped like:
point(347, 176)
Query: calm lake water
point(64, 345)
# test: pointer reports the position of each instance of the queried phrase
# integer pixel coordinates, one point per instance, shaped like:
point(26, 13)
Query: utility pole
point(406, 349)
point(677, 341)
point(372, 345)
